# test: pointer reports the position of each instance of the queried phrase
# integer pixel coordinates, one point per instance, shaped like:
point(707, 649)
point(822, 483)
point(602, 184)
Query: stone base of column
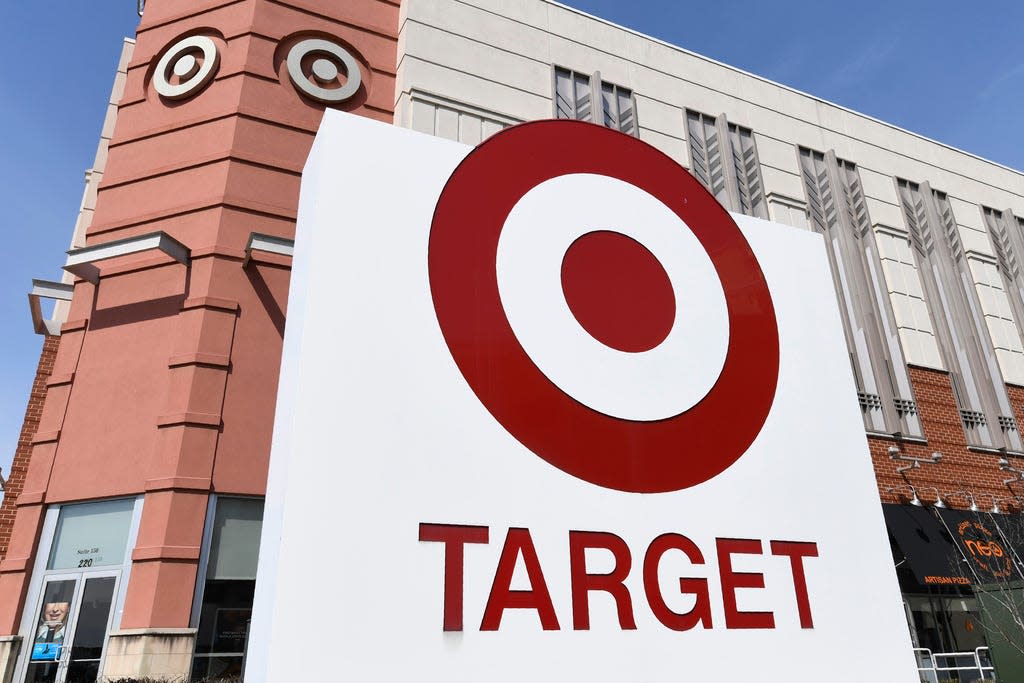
point(9, 648)
point(160, 654)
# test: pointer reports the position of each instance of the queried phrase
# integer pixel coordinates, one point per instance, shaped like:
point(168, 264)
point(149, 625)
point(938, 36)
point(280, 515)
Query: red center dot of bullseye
point(618, 291)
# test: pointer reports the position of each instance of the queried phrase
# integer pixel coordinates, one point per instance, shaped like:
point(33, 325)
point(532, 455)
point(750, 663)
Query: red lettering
point(796, 551)
point(727, 547)
point(701, 612)
point(612, 583)
point(455, 538)
point(536, 595)
point(518, 542)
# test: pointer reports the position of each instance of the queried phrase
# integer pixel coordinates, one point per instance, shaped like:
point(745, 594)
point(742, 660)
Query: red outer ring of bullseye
point(641, 457)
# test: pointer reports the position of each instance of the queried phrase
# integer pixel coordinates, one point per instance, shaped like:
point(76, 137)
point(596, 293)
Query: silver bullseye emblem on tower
point(327, 58)
point(192, 62)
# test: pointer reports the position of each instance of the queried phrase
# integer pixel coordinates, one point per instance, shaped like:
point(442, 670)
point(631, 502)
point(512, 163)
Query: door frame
point(73, 615)
point(40, 575)
point(36, 607)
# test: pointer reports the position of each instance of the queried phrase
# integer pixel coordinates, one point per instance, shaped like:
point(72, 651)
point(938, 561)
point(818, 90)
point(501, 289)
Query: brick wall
point(961, 469)
point(23, 451)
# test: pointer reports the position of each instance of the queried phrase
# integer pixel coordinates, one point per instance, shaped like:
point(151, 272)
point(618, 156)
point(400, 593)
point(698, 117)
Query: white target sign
point(547, 411)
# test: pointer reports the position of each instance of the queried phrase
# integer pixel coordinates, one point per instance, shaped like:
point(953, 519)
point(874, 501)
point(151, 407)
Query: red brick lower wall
point(16, 477)
point(961, 469)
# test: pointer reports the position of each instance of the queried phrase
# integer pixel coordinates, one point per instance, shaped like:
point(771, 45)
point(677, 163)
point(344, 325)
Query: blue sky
point(948, 70)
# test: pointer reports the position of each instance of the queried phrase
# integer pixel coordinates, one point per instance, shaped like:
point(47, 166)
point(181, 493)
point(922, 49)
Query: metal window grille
point(1001, 233)
point(617, 108)
point(972, 417)
point(960, 327)
point(869, 401)
point(905, 406)
point(838, 211)
point(723, 157)
point(576, 94)
point(572, 95)
point(706, 154)
point(750, 189)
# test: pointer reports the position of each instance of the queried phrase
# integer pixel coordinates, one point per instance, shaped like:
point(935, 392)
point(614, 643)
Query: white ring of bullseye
point(646, 386)
point(197, 78)
point(323, 47)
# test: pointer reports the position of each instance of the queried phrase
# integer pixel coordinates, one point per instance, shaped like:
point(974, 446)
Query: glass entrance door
point(51, 628)
point(90, 632)
point(74, 617)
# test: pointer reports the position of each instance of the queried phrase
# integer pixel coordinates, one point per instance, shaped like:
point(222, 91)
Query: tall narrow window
point(617, 108)
point(227, 588)
point(960, 326)
point(573, 96)
point(1007, 233)
point(723, 158)
point(576, 93)
point(839, 212)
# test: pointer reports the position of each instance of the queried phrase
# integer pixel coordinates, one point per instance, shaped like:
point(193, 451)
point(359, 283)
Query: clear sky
point(952, 71)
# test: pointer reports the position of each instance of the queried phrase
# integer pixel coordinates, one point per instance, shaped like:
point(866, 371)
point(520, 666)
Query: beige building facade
point(468, 68)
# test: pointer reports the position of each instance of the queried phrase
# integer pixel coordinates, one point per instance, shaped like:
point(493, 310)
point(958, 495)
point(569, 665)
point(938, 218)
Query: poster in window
point(231, 629)
point(50, 631)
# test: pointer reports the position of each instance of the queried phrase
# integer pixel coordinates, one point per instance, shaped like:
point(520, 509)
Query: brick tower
point(163, 385)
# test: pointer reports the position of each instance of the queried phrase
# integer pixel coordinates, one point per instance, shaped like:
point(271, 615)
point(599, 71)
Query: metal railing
point(958, 667)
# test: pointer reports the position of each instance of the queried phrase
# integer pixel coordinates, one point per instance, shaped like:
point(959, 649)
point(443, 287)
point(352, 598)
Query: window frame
point(596, 85)
point(1006, 230)
point(862, 293)
point(735, 189)
point(964, 340)
point(204, 566)
point(40, 573)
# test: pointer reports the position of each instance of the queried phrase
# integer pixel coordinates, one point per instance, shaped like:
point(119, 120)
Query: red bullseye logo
point(604, 308)
point(618, 291)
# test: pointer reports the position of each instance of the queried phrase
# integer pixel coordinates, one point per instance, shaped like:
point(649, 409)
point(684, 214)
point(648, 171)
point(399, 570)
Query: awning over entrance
point(1011, 527)
point(981, 539)
point(932, 558)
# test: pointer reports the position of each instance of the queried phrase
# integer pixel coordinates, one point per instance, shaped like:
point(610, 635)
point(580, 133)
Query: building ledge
point(267, 244)
point(82, 262)
point(45, 289)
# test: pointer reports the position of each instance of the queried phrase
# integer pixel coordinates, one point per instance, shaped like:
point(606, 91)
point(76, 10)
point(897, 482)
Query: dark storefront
point(959, 572)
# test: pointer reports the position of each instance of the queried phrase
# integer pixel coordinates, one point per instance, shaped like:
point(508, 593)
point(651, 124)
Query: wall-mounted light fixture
point(995, 505)
point(939, 503)
point(897, 455)
point(974, 503)
point(914, 500)
point(1005, 466)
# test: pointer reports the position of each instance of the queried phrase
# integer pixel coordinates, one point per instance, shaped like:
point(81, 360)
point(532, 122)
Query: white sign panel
point(548, 412)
